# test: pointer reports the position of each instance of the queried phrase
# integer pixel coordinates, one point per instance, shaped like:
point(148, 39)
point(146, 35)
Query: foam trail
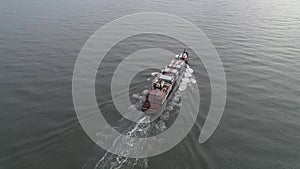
point(143, 129)
point(112, 161)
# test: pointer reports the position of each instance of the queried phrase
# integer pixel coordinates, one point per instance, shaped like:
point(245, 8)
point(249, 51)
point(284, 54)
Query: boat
point(164, 84)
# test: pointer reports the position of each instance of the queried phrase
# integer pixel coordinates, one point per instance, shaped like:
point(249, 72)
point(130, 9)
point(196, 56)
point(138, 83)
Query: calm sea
point(259, 45)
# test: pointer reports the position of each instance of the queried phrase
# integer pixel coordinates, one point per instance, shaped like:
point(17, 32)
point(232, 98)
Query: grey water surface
point(258, 42)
